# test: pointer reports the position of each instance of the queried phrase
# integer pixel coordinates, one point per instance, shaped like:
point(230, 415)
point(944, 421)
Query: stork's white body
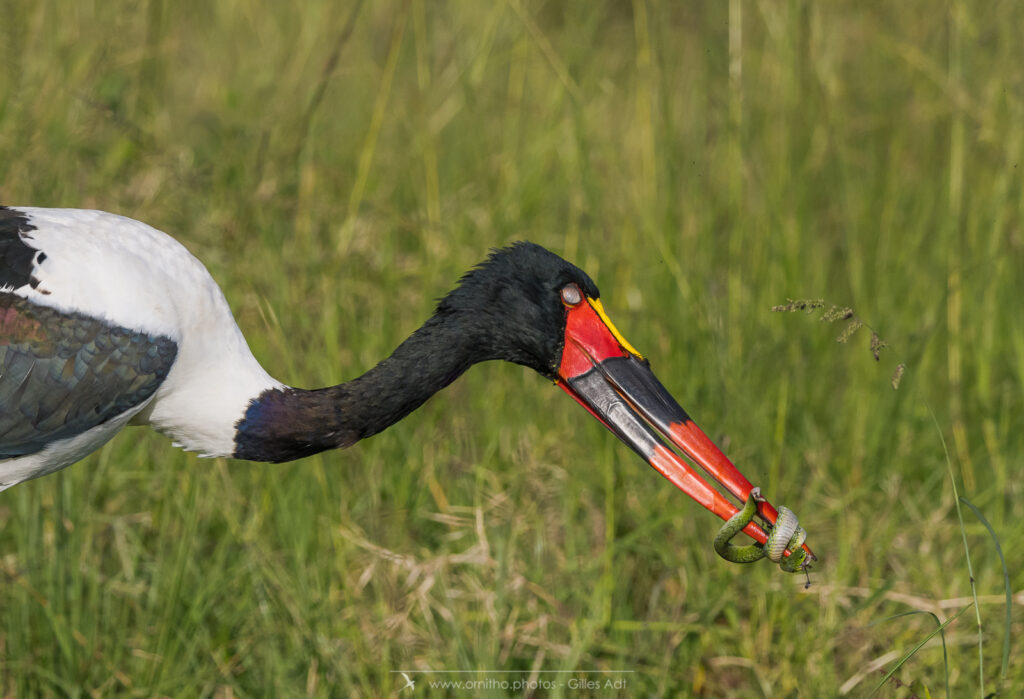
point(128, 274)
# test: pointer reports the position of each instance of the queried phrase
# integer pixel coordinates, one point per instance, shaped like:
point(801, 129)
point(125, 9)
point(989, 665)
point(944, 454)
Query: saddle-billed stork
point(105, 321)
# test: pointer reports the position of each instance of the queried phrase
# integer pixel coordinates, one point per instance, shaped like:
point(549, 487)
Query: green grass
point(703, 162)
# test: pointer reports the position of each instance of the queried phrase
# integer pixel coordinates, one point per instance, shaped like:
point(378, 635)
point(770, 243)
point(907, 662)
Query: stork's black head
point(516, 303)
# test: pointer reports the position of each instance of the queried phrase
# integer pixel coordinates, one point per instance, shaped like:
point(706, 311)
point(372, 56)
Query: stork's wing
point(64, 373)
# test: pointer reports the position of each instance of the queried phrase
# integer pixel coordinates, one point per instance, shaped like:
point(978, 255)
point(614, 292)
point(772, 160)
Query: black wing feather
point(64, 373)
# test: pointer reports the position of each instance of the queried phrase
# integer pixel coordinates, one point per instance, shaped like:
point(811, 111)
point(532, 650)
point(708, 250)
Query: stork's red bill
point(609, 378)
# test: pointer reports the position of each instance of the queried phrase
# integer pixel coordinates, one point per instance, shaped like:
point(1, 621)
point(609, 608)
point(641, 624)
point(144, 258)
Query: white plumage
point(128, 274)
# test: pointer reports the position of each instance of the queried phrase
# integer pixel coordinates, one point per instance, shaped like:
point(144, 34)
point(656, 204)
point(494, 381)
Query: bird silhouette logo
point(410, 683)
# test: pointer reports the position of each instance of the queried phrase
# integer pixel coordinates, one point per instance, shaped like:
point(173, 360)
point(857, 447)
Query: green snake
point(785, 534)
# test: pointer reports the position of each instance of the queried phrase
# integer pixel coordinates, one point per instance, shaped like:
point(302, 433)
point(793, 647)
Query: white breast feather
point(131, 274)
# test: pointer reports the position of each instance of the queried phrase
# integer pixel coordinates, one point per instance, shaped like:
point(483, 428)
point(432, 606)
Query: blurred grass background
point(338, 166)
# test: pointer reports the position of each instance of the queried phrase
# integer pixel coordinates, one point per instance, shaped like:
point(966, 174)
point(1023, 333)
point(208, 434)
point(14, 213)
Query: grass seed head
point(897, 376)
point(853, 326)
point(807, 305)
point(877, 344)
point(837, 313)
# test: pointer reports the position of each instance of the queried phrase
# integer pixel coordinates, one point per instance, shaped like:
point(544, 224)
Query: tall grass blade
point(967, 555)
point(1006, 586)
point(920, 645)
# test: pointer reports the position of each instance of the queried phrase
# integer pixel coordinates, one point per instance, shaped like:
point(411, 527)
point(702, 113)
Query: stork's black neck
point(290, 423)
point(508, 307)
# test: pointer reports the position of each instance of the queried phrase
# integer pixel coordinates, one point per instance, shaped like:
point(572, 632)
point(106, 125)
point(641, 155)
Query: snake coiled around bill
point(787, 533)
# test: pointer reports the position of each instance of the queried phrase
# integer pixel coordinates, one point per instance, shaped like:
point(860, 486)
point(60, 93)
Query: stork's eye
point(571, 295)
